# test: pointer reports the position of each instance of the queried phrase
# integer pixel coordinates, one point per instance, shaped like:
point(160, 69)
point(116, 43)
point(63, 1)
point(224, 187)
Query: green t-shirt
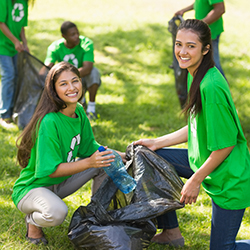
point(60, 139)
point(15, 16)
point(217, 126)
point(202, 8)
point(58, 52)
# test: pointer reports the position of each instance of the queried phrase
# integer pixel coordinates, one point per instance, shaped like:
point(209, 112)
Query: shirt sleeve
point(48, 151)
point(211, 2)
point(88, 47)
point(221, 127)
point(51, 56)
point(219, 111)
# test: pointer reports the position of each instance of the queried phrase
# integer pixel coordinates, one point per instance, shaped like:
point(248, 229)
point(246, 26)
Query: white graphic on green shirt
point(75, 141)
point(193, 125)
point(71, 58)
point(18, 12)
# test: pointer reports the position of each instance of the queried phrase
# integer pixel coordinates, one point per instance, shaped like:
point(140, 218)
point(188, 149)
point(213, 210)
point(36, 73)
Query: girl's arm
point(191, 188)
point(174, 138)
point(97, 160)
point(6, 31)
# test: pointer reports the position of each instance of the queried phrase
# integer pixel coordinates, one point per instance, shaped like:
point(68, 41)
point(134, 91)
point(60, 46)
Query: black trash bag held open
point(180, 74)
point(30, 84)
point(114, 220)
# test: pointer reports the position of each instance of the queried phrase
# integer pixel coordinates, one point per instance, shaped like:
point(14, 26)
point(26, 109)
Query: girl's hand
point(190, 191)
point(101, 159)
point(123, 156)
point(149, 143)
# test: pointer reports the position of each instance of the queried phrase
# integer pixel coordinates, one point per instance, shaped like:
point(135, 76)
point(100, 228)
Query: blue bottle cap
point(101, 148)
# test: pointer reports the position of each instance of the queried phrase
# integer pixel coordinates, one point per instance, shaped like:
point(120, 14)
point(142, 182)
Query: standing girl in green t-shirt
point(217, 155)
point(57, 134)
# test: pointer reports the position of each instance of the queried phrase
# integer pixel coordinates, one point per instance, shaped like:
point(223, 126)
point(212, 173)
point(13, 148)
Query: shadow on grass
point(194, 230)
point(130, 47)
point(130, 57)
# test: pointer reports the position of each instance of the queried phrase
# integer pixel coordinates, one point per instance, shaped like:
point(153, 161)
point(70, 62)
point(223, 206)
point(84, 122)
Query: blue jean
point(216, 56)
point(225, 223)
point(178, 157)
point(8, 67)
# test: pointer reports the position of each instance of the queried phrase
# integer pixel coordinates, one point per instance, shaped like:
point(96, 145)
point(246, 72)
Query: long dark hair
point(49, 102)
point(193, 104)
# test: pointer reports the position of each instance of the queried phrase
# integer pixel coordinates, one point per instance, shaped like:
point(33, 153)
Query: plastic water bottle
point(118, 173)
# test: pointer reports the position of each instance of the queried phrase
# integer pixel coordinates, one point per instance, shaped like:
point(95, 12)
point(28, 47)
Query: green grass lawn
point(137, 99)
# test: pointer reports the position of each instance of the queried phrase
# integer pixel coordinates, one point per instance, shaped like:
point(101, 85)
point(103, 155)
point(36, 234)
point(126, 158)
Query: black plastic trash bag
point(114, 220)
point(30, 84)
point(180, 74)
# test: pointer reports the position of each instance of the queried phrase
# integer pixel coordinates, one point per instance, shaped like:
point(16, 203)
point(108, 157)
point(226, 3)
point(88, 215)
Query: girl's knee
point(59, 215)
point(55, 216)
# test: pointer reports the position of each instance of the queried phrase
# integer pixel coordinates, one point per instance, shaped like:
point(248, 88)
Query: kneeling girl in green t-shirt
point(217, 157)
point(57, 134)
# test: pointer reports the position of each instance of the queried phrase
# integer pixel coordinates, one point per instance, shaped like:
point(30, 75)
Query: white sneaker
point(7, 123)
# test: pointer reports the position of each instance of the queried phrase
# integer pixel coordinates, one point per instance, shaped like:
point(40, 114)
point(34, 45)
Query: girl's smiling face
point(68, 87)
point(188, 50)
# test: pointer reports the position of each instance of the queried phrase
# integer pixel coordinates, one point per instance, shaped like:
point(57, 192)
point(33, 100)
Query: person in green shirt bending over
point(217, 156)
point(79, 51)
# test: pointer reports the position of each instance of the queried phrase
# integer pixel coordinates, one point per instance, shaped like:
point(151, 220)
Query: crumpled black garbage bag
point(30, 84)
point(180, 74)
point(114, 220)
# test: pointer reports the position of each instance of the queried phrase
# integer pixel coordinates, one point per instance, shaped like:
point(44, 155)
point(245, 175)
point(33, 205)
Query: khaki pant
point(44, 205)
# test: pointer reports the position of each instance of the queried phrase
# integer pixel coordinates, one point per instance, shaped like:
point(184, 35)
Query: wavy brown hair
point(193, 104)
point(49, 102)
